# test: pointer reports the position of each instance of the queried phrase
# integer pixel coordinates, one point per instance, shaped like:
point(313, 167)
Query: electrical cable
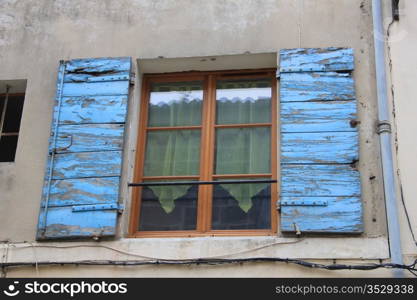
point(157, 258)
point(333, 267)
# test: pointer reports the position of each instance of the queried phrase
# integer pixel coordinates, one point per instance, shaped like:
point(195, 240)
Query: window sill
point(202, 247)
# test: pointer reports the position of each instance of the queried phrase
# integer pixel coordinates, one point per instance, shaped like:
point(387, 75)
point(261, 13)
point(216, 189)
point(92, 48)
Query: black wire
point(218, 261)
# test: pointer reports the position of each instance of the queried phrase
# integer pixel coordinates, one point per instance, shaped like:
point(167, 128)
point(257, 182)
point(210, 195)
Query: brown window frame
point(207, 127)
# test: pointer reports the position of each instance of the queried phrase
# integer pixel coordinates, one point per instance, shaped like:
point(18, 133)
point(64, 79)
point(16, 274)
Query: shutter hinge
point(278, 74)
point(94, 207)
point(303, 203)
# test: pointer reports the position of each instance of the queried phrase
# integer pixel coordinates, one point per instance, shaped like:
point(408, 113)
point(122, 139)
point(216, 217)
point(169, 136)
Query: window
point(216, 128)
point(11, 106)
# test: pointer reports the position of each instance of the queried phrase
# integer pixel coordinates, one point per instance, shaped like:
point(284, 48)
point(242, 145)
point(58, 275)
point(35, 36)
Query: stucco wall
point(402, 64)
point(36, 34)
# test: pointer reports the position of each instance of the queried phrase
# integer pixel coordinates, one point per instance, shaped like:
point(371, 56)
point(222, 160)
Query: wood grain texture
point(89, 137)
point(319, 142)
point(319, 148)
point(106, 88)
point(87, 164)
point(87, 154)
point(320, 180)
point(320, 116)
point(316, 86)
point(342, 215)
point(101, 69)
point(316, 59)
point(94, 109)
point(62, 222)
point(82, 191)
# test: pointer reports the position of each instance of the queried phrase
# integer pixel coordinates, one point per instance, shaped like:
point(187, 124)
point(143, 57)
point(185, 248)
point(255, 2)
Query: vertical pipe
point(384, 130)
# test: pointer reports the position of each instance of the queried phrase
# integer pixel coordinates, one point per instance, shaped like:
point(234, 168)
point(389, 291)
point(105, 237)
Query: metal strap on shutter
point(320, 188)
point(81, 188)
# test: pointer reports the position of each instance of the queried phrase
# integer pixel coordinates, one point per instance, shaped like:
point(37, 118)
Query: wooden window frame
point(207, 127)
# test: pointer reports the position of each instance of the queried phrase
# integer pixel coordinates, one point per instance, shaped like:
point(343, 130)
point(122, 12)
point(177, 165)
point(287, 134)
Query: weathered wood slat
point(317, 116)
point(87, 153)
point(316, 86)
point(98, 65)
point(316, 59)
point(319, 142)
point(342, 215)
point(87, 164)
point(109, 76)
point(89, 137)
point(107, 88)
point(83, 191)
point(319, 180)
point(63, 223)
point(95, 109)
point(319, 148)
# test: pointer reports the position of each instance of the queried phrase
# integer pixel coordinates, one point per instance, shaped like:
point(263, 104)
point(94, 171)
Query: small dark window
point(11, 107)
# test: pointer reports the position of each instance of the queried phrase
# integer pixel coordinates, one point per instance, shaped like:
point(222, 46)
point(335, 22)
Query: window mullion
point(207, 154)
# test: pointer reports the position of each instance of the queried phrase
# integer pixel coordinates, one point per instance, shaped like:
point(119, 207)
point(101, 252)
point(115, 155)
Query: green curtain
point(243, 151)
point(172, 153)
point(238, 150)
point(167, 194)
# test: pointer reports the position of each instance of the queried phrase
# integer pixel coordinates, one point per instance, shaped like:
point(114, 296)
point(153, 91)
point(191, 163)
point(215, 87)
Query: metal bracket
point(383, 127)
point(297, 229)
point(396, 10)
point(132, 79)
point(304, 203)
point(94, 207)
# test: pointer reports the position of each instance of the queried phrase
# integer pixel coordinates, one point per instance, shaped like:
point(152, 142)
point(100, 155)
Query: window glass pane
point(243, 101)
point(175, 104)
point(172, 153)
point(8, 146)
point(241, 206)
point(169, 208)
point(243, 150)
point(13, 114)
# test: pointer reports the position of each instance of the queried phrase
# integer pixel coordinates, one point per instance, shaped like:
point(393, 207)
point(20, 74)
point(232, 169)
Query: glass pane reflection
point(243, 101)
point(175, 104)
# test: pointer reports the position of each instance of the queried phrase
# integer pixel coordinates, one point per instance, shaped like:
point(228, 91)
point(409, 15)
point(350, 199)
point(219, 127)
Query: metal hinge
point(94, 207)
point(303, 203)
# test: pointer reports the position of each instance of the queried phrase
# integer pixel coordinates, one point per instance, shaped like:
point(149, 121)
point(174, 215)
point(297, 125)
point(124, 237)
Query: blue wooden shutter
point(81, 187)
point(320, 183)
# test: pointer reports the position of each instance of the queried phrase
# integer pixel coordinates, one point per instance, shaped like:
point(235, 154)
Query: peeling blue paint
point(87, 152)
point(319, 142)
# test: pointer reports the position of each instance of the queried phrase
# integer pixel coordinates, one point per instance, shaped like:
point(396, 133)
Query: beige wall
point(402, 44)
point(36, 34)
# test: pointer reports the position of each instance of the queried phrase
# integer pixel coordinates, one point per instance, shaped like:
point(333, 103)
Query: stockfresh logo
point(12, 290)
point(72, 289)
